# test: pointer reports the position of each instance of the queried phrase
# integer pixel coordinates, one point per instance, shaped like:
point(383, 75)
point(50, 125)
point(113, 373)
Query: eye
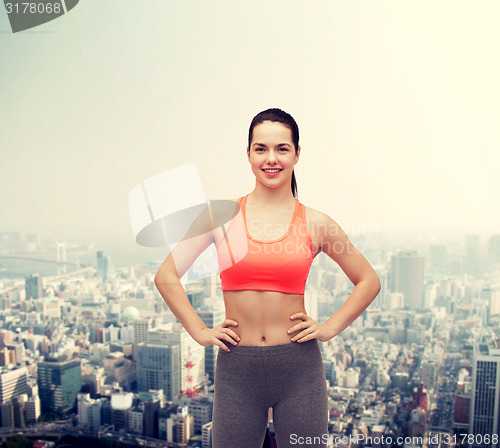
point(259, 149)
point(283, 149)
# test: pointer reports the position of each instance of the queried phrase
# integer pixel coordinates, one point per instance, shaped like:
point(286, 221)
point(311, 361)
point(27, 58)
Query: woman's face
point(272, 153)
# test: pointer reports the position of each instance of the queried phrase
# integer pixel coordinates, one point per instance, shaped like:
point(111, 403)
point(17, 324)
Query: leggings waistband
point(272, 350)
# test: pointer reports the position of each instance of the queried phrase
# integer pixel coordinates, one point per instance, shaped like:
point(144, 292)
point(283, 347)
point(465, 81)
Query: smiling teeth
point(271, 171)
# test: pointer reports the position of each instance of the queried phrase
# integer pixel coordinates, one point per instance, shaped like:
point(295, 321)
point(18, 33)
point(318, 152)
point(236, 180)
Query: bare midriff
point(263, 316)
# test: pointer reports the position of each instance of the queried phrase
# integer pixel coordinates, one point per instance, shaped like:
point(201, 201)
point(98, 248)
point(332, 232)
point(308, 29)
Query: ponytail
point(294, 185)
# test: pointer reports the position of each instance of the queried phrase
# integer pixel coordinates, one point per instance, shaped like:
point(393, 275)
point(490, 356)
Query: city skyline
point(406, 368)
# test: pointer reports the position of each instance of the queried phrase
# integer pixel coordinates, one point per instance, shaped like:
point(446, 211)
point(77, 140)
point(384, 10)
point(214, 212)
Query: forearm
point(177, 301)
point(360, 298)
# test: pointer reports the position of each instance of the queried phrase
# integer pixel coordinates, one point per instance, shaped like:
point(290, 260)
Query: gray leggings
point(289, 378)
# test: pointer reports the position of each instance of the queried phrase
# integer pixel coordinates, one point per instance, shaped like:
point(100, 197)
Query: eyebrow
point(265, 146)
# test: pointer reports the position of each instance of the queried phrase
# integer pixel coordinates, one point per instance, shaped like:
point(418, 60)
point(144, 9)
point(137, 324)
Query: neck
point(272, 196)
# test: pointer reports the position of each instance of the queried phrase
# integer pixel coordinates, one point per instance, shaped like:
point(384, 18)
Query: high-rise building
point(32, 409)
point(407, 277)
point(6, 415)
point(33, 286)
point(142, 328)
point(163, 416)
point(485, 402)
point(462, 402)
point(210, 285)
point(472, 258)
point(192, 355)
point(158, 367)
point(13, 382)
point(89, 411)
point(18, 405)
point(104, 265)
point(200, 407)
point(151, 408)
point(494, 250)
point(206, 435)
point(180, 426)
point(196, 298)
point(59, 383)
point(437, 258)
point(121, 405)
point(136, 420)
point(6, 338)
point(492, 297)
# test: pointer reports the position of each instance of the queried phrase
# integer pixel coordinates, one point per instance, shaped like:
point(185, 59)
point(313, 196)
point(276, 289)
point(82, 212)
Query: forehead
point(272, 132)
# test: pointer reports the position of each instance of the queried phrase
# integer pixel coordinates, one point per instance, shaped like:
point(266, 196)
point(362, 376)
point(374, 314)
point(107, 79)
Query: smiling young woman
point(269, 355)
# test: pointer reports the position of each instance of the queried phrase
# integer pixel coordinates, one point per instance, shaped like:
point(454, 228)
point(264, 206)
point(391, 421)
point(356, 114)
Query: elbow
point(376, 282)
point(374, 286)
point(377, 286)
point(161, 280)
point(158, 278)
point(157, 281)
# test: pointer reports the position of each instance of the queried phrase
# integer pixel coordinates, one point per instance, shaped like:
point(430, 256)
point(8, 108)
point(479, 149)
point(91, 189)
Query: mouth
point(272, 171)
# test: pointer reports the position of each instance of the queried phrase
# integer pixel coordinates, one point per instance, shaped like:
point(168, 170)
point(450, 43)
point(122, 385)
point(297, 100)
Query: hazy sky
point(398, 104)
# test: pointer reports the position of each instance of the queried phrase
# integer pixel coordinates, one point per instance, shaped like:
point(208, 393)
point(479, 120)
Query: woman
point(270, 356)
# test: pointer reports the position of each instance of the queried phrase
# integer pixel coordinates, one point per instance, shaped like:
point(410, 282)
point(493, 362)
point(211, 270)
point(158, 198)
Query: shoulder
point(319, 219)
point(322, 227)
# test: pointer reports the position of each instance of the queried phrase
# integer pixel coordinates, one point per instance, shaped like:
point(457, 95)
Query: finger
point(307, 338)
point(303, 334)
point(230, 322)
point(299, 316)
point(222, 345)
point(228, 338)
point(298, 327)
point(229, 331)
point(233, 334)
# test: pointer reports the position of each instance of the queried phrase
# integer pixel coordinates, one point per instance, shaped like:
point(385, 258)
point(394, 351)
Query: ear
point(248, 153)
point(297, 155)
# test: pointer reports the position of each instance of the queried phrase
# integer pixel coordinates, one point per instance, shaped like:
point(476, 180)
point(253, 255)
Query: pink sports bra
point(282, 265)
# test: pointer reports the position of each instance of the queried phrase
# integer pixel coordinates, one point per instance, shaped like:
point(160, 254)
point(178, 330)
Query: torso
point(264, 316)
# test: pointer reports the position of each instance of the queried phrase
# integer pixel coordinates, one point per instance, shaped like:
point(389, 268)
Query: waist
point(272, 350)
point(263, 316)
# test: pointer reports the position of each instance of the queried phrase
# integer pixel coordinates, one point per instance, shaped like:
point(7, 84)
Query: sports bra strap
point(302, 213)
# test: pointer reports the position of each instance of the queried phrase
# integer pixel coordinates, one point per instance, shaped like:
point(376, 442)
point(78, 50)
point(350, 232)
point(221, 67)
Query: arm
point(367, 284)
point(167, 281)
point(335, 243)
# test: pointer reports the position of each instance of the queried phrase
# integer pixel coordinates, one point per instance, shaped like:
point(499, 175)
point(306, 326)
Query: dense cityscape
point(91, 354)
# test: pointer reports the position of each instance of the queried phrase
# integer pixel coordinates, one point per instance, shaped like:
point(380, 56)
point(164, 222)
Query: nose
point(271, 157)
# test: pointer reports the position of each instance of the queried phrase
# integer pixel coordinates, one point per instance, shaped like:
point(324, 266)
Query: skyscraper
point(158, 367)
point(472, 261)
point(494, 250)
point(485, 402)
point(12, 383)
point(104, 265)
point(59, 382)
point(437, 258)
point(407, 276)
point(141, 329)
point(33, 286)
point(192, 355)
